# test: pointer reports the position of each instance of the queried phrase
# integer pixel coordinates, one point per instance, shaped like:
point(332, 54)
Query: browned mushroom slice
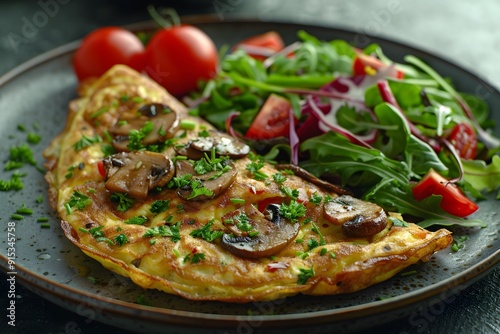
point(256, 235)
point(135, 173)
point(164, 123)
point(358, 218)
point(223, 145)
point(204, 186)
point(304, 174)
point(189, 152)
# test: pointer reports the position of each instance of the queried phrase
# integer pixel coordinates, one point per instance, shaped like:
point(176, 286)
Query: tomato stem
point(165, 17)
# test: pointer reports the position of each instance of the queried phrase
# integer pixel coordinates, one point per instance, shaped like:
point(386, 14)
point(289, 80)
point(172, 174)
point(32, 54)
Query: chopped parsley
point(137, 220)
point(293, 193)
point(242, 221)
point(159, 206)
point(194, 258)
point(107, 150)
point(292, 211)
point(206, 232)
point(186, 180)
point(204, 134)
point(77, 200)
point(121, 239)
point(199, 190)
point(316, 199)
point(123, 201)
point(180, 181)
point(255, 166)
point(279, 178)
point(86, 141)
point(172, 231)
point(312, 243)
point(136, 136)
point(304, 275)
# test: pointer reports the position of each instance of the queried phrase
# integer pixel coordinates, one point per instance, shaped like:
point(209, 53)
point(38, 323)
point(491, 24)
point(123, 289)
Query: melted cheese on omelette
point(166, 249)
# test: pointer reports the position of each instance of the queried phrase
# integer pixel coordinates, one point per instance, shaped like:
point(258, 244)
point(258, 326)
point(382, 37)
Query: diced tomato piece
point(464, 139)
point(262, 205)
point(272, 120)
point(454, 201)
point(101, 169)
point(270, 42)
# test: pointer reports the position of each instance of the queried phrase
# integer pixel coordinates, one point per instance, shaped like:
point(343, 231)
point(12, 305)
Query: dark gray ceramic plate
point(36, 95)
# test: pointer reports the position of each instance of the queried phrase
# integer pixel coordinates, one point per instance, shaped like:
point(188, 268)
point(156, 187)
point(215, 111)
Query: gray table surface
point(466, 33)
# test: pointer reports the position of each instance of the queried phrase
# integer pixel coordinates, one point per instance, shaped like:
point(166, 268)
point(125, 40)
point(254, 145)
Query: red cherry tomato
point(464, 138)
point(272, 120)
point(268, 42)
point(100, 168)
point(105, 47)
point(362, 63)
point(454, 200)
point(179, 57)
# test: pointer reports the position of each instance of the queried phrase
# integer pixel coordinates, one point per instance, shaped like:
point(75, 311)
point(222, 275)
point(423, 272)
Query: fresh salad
point(397, 134)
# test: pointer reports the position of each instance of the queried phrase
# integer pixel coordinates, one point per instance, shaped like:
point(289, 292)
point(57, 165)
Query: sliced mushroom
point(224, 145)
point(189, 152)
point(214, 182)
point(358, 218)
point(270, 233)
point(165, 122)
point(304, 174)
point(135, 173)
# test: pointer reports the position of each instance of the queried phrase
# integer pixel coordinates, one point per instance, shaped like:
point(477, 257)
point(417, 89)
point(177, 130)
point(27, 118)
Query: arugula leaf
point(401, 199)
point(482, 176)
point(333, 153)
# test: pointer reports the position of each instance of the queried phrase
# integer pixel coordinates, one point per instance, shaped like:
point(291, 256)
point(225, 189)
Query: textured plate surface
point(36, 95)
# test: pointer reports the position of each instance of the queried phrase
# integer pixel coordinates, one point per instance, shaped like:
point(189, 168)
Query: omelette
point(175, 205)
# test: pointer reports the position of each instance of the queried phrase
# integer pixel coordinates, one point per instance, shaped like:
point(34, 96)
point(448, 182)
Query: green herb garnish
point(206, 232)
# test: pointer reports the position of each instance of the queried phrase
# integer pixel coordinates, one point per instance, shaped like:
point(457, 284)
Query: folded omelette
point(163, 198)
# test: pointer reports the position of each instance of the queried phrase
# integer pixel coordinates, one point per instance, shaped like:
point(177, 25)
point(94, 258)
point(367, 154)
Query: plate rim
point(467, 277)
